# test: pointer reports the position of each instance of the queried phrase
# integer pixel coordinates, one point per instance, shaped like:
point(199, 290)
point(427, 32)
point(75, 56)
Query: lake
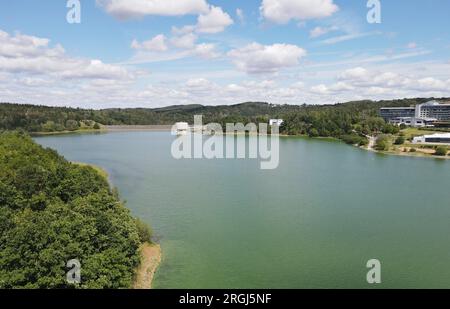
point(312, 223)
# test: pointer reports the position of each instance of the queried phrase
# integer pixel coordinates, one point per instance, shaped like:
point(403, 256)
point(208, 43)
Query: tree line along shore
point(354, 123)
point(53, 211)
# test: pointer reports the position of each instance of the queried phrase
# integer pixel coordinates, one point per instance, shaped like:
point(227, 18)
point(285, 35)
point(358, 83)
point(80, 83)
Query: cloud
point(282, 11)
point(22, 54)
point(372, 82)
point(412, 45)
point(240, 15)
point(214, 21)
point(348, 37)
point(183, 30)
point(206, 51)
point(357, 73)
point(185, 41)
point(126, 9)
point(319, 31)
point(256, 58)
point(158, 43)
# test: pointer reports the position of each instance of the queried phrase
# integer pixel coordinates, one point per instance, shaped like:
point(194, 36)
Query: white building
point(433, 109)
point(441, 138)
point(421, 115)
point(276, 122)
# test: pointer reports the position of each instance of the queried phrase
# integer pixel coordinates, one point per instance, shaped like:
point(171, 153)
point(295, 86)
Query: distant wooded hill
point(321, 120)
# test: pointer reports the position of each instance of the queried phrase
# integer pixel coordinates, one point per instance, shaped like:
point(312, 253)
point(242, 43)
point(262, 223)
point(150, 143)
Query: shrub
point(413, 150)
point(441, 151)
point(72, 125)
point(144, 231)
point(313, 132)
point(400, 140)
point(382, 143)
point(353, 139)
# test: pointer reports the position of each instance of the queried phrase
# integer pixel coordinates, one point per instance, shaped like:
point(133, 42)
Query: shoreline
point(151, 256)
point(399, 151)
point(166, 128)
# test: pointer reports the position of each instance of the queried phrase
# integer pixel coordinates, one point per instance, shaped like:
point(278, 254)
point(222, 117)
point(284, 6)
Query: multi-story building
point(420, 115)
point(433, 109)
point(389, 113)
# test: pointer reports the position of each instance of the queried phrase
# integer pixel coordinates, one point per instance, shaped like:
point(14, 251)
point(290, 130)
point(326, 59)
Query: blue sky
point(153, 53)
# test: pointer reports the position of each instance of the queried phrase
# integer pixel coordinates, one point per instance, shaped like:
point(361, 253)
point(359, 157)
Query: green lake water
point(312, 223)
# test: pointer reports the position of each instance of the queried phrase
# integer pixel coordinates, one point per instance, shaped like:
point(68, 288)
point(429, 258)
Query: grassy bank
point(401, 144)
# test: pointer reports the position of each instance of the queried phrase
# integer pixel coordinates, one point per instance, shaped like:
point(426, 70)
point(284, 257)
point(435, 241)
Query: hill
point(327, 120)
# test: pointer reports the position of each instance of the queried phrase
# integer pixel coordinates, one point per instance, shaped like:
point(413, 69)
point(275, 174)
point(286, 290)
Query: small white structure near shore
point(276, 122)
point(441, 138)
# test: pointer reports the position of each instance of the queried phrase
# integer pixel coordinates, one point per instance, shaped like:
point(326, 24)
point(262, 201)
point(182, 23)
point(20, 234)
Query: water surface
point(312, 223)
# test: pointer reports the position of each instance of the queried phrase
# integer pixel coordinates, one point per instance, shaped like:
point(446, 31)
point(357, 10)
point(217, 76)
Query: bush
point(144, 231)
point(382, 143)
point(441, 151)
point(400, 140)
point(96, 126)
point(72, 125)
point(413, 150)
point(353, 139)
point(313, 133)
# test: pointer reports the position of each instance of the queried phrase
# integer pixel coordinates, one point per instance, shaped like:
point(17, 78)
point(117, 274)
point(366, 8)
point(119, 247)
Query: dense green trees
point(351, 121)
point(328, 120)
point(52, 211)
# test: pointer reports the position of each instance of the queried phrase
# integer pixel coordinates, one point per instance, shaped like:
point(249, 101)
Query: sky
point(155, 53)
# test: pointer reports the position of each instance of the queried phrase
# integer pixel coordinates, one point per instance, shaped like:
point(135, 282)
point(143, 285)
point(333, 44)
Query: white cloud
point(206, 51)
point(431, 83)
point(200, 86)
point(185, 41)
point(158, 43)
point(124, 9)
point(320, 89)
point(256, 58)
point(412, 45)
point(282, 11)
point(372, 83)
point(348, 37)
point(183, 30)
point(214, 21)
point(22, 54)
point(240, 15)
point(319, 31)
point(357, 73)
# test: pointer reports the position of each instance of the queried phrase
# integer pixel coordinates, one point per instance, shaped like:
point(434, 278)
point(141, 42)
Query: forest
point(349, 121)
point(53, 211)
